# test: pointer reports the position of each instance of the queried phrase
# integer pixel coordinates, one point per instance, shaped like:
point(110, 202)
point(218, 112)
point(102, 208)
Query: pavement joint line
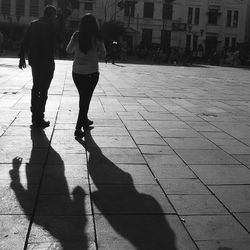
point(136, 214)
point(157, 180)
point(91, 200)
point(11, 123)
point(37, 194)
point(206, 138)
point(207, 187)
point(159, 184)
point(41, 179)
point(223, 132)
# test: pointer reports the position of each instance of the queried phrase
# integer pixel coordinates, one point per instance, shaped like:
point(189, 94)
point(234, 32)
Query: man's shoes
point(88, 123)
point(79, 134)
point(41, 124)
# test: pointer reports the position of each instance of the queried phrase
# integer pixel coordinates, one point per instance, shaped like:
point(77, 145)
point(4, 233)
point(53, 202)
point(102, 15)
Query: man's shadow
point(57, 217)
point(137, 217)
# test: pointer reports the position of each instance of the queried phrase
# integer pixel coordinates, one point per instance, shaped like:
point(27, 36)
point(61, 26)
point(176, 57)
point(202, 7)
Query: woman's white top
point(85, 63)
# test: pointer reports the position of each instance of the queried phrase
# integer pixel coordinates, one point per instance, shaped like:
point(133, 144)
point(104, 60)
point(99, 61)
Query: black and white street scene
point(125, 125)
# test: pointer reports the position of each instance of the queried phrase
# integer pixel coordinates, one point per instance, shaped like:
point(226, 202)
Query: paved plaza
point(165, 167)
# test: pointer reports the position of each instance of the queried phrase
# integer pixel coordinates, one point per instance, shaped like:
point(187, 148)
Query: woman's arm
point(101, 49)
point(71, 45)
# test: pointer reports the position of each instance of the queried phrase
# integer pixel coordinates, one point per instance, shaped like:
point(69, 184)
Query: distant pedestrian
point(39, 43)
point(86, 45)
point(114, 52)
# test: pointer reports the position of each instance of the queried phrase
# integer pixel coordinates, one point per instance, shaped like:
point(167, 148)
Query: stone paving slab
point(236, 197)
point(13, 231)
point(32, 170)
point(224, 244)
point(129, 199)
point(124, 174)
point(166, 165)
point(214, 227)
point(183, 186)
point(222, 174)
point(15, 199)
point(142, 232)
point(205, 156)
point(189, 204)
point(60, 232)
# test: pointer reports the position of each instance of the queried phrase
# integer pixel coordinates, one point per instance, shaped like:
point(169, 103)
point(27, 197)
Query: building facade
point(16, 15)
point(212, 24)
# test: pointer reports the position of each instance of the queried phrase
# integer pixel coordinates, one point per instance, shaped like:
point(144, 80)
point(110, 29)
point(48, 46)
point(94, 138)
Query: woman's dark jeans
point(85, 85)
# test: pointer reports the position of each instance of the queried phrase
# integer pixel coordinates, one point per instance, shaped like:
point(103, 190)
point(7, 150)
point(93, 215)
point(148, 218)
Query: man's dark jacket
point(40, 42)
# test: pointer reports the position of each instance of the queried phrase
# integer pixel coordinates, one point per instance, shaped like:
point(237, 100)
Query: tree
point(112, 31)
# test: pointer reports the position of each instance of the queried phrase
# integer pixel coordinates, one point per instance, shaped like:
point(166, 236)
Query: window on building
point(5, 7)
point(197, 16)
point(227, 41)
point(88, 6)
point(147, 37)
point(20, 7)
point(167, 11)
point(213, 16)
point(148, 10)
point(34, 8)
point(229, 18)
point(235, 18)
point(129, 8)
point(195, 42)
point(190, 15)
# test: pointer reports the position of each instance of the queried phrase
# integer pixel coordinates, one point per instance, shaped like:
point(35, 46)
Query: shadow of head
point(135, 215)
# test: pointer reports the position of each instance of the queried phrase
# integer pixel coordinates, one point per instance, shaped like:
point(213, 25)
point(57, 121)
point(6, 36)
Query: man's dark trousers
point(42, 76)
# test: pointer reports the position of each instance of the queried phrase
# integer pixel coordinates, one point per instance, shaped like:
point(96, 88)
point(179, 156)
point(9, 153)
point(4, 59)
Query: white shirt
point(85, 63)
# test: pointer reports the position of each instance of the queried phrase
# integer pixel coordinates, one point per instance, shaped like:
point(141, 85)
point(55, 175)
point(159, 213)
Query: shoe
point(88, 123)
point(79, 134)
point(41, 124)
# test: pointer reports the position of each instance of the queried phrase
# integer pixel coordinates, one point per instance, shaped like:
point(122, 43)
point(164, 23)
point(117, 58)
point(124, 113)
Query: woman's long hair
point(88, 33)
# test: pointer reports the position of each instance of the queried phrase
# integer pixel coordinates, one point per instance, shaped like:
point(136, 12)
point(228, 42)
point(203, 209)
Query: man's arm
point(101, 49)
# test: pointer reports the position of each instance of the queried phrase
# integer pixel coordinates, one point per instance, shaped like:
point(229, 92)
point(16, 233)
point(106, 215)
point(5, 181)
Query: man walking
point(39, 43)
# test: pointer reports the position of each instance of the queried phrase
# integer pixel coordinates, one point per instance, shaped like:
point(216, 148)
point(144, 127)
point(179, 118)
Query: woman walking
point(86, 45)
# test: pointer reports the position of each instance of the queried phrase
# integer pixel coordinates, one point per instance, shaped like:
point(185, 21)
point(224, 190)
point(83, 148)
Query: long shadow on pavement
point(137, 217)
point(57, 217)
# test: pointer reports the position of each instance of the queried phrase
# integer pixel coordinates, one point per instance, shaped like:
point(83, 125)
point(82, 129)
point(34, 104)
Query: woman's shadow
point(57, 217)
point(137, 217)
